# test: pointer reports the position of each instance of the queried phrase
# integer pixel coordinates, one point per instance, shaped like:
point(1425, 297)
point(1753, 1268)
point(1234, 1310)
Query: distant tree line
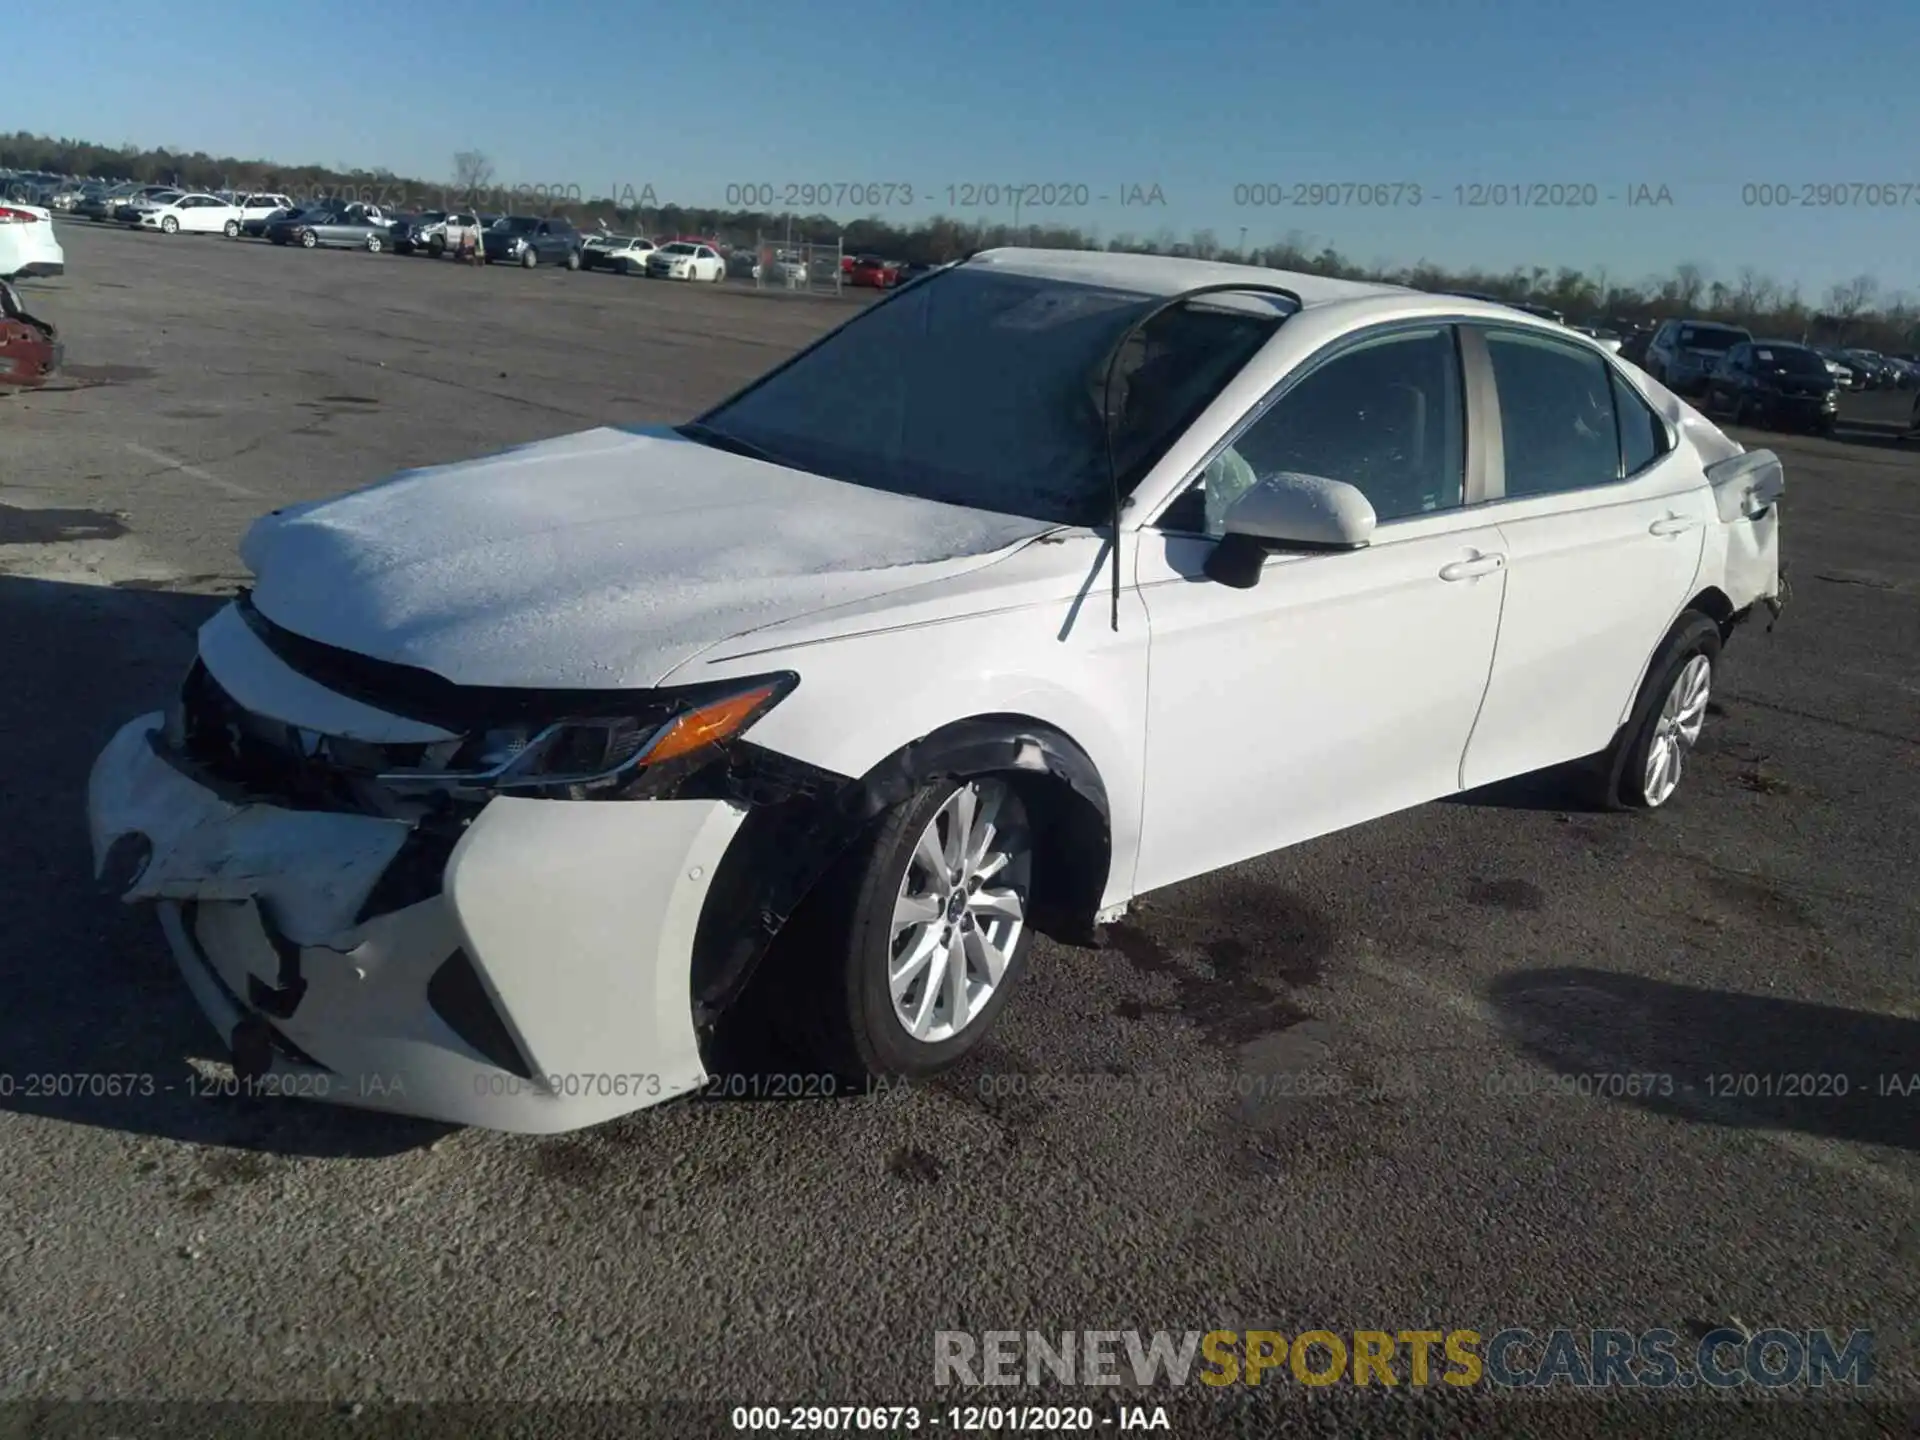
point(1854, 312)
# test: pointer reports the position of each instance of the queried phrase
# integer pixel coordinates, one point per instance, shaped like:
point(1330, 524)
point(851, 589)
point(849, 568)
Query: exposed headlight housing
point(600, 756)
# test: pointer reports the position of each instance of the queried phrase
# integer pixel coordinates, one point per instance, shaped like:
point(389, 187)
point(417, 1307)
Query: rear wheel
point(916, 942)
point(232, 228)
point(375, 245)
point(436, 247)
point(1643, 767)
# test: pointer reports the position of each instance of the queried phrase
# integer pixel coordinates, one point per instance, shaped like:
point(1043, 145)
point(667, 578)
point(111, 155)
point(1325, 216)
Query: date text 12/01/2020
point(141, 1085)
point(1476, 195)
point(970, 195)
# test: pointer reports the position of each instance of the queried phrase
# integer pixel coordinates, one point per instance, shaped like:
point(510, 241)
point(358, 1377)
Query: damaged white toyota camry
point(489, 797)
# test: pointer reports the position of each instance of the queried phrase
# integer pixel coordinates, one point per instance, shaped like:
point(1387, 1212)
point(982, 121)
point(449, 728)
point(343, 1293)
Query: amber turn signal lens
point(707, 725)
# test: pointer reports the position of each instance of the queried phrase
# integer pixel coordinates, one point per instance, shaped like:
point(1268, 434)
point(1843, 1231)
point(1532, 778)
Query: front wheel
point(573, 260)
point(169, 225)
point(308, 239)
point(528, 259)
point(232, 229)
point(1642, 769)
point(374, 246)
point(923, 933)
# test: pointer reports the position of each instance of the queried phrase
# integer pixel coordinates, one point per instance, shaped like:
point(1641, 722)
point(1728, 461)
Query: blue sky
point(1197, 98)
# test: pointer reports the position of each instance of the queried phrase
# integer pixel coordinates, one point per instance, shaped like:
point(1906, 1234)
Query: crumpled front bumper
point(545, 987)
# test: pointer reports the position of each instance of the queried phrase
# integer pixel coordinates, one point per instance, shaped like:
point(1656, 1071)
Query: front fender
point(804, 821)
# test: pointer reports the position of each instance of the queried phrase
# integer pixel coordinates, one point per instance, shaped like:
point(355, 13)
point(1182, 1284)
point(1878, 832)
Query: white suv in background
point(259, 207)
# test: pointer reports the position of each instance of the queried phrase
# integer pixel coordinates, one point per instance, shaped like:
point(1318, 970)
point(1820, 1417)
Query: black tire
point(436, 247)
point(839, 949)
point(375, 245)
point(573, 260)
point(169, 225)
point(1619, 777)
point(308, 240)
point(232, 228)
point(529, 258)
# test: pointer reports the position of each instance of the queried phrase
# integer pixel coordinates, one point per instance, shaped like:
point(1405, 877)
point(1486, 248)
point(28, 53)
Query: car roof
point(1170, 274)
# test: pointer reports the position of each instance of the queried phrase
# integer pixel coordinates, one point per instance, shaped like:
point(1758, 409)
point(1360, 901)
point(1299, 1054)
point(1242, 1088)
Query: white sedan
point(845, 687)
point(683, 260)
point(193, 214)
point(29, 250)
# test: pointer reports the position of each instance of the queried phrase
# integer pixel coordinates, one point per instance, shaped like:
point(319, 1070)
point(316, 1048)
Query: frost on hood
point(600, 559)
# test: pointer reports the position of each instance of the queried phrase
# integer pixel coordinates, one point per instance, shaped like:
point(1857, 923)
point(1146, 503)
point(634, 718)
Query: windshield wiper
point(720, 440)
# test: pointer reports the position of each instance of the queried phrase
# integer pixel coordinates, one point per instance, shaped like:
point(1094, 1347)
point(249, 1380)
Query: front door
point(1342, 686)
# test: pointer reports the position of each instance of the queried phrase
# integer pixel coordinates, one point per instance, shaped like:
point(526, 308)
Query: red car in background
point(871, 270)
point(30, 350)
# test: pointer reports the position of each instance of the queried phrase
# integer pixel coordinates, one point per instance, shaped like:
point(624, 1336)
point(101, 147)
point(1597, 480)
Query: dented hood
point(596, 561)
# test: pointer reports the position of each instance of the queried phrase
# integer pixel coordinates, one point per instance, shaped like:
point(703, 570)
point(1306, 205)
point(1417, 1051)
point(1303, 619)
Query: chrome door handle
point(1673, 525)
point(1467, 569)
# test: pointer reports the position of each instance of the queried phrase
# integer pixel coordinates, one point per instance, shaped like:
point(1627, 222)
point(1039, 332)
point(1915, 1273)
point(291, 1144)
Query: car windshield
point(517, 224)
point(985, 388)
point(1794, 359)
point(677, 248)
point(1709, 337)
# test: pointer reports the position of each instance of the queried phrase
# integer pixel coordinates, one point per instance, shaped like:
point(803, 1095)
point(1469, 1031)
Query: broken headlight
point(596, 756)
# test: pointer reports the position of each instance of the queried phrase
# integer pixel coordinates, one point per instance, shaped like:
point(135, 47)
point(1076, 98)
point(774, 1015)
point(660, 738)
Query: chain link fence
point(802, 267)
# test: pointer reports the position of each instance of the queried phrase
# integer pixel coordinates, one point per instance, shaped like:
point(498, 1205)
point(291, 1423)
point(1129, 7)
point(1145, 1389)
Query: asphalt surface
point(1313, 1092)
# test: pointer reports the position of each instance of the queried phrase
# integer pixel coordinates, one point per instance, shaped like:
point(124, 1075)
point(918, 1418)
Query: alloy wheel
point(1677, 728)
point(960, 910)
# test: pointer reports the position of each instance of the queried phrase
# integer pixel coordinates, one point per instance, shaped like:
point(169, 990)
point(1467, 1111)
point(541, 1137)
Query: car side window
point(1557, 424)
point(1386, 415)
point(1643, 434)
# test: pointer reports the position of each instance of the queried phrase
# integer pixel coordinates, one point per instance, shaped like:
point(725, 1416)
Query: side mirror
point(1289, 511)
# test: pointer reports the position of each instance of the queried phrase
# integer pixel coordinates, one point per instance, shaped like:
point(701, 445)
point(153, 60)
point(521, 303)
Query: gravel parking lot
point(1315, 1092)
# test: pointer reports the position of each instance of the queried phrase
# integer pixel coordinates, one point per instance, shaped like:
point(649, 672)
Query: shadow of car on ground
point(1718, 1057)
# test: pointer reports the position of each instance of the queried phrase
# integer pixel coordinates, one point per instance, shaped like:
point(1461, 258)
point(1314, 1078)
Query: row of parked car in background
point(1780, 382)
point(525, 240)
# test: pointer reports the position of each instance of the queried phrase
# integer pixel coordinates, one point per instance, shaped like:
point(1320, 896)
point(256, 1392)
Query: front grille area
point(272, 761)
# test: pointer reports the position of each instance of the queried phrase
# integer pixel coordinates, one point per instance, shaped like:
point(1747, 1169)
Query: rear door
point(1603, 520)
